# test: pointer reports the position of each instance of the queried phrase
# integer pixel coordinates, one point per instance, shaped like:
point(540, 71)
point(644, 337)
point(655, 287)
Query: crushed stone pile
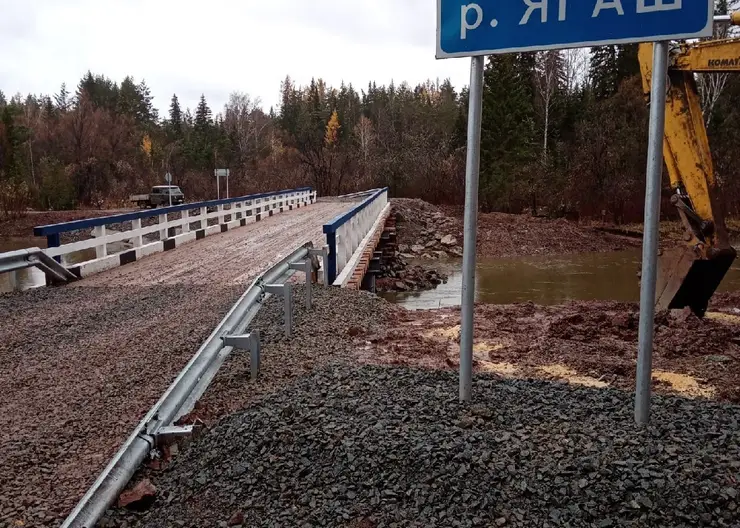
point(376, 447)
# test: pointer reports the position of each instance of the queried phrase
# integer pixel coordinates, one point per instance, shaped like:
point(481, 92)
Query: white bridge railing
point(345, 234)
point(130, 234)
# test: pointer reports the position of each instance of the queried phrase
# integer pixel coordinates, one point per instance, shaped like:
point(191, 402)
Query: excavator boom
point(690, 274)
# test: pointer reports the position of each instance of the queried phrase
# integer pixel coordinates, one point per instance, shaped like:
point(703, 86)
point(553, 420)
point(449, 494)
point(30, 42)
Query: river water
point(549, 279)
point(33, 277)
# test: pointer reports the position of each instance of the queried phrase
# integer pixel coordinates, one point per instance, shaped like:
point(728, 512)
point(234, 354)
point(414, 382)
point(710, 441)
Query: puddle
point(546, 280)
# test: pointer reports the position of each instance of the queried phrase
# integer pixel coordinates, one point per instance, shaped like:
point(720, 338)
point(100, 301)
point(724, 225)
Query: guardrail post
point(163, 230)
point(136, 240)
point(102, 249)
point(254, 357)
point(288, 300)
point(250, 342)
point(286, 291)
point(322, 253)
point(185, 221)
point(306, 266)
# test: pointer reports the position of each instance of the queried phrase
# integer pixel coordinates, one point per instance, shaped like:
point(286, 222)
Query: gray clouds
point(191, 47)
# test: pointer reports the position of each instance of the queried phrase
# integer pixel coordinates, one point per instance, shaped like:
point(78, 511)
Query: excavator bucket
point(686, 279)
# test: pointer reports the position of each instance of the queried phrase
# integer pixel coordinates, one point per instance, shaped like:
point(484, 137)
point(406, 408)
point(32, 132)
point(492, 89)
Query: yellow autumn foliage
point(146, 145)
point(332, 129)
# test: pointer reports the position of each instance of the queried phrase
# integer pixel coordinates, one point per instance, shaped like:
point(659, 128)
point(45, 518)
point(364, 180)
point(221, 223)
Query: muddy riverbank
point(427, 234)
point(583, 343)
point(501, 235)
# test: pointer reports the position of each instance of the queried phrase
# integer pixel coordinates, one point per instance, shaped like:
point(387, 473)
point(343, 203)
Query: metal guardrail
point(354, 196)
point(241, 207)
point(192, 382)
point(35, 257)
point(345, 232)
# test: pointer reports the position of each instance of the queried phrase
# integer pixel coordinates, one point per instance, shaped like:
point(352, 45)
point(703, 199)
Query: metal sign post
point(475, 28)
point(470, 233)
point(168, 179)
point(221, 173)
point(650, 238)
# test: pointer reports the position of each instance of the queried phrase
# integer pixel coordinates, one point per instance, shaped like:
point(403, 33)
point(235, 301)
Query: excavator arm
point(689, 275)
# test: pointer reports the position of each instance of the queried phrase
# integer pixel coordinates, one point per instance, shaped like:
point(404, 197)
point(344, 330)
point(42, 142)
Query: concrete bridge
point(84, 362)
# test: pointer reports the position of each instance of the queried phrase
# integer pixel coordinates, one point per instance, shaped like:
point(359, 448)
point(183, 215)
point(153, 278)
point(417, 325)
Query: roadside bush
point(14, 198)
point(57, 190)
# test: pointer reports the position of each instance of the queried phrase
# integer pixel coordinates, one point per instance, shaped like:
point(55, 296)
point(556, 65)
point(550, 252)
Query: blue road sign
point(483, 27)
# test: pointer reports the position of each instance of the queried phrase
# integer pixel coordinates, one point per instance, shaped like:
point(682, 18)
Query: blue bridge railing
point(345, 232)
point(240, 208)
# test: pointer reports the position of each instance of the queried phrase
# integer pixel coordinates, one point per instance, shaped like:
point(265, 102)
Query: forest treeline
point(562, 132)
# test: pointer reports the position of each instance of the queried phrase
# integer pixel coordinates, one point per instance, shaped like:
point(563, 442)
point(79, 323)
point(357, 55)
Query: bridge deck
point(81, 364)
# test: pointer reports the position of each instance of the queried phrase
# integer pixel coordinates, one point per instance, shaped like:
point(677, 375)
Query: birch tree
point(550, 77)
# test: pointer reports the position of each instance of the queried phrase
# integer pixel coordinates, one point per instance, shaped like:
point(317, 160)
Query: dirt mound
point(423, 226)
point(506, 235)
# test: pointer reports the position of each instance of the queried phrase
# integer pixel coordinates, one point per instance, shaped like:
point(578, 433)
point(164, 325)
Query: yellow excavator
point(689, 275)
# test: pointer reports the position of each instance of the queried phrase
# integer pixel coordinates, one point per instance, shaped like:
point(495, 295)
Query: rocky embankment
point(425, 234)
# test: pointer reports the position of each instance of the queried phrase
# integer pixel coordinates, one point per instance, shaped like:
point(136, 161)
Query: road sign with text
point(483, 27)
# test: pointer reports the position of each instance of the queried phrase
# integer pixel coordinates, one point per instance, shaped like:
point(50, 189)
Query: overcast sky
point(189, 47)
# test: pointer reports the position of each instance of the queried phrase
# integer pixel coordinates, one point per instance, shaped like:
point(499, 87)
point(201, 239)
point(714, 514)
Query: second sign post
point(476, 29)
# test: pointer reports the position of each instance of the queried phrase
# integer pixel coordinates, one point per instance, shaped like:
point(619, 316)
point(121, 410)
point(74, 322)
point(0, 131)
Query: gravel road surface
point(372, 447)
point(235, 257)
point(81, 364)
